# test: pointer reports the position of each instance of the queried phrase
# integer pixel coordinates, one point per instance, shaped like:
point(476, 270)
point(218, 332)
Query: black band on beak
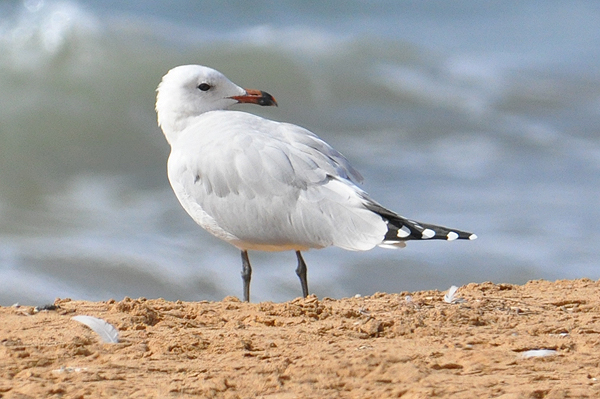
point(258, 97)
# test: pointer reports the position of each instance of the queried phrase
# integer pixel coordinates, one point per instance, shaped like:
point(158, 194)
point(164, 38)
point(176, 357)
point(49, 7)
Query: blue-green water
point(481, 116)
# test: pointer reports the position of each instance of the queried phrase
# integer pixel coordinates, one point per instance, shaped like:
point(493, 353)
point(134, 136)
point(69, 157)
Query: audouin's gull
point(265, 185)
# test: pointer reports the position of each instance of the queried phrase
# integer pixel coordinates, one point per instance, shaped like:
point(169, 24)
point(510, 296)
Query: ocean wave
point(496, 139)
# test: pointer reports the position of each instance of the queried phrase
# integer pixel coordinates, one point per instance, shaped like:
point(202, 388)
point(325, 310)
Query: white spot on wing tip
point(473, 237)
point(427, 233)
point(452, 236)
point(403, 232)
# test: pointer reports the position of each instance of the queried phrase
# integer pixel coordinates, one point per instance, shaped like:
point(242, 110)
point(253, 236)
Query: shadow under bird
point(265, 185)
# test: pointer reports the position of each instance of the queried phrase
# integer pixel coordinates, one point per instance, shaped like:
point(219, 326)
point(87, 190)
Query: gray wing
point(272, 183)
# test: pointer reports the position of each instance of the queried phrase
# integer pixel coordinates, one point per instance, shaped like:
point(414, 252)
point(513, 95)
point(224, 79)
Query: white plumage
point(107, 332)
point(265, 185)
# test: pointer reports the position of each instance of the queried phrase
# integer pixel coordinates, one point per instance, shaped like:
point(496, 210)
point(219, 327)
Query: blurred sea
point(483, 116)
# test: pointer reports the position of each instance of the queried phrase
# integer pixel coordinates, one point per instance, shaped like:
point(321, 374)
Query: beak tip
point(266, 99)
point(257, 97)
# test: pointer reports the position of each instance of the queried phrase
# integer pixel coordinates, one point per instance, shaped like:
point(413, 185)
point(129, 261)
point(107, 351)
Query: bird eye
point(204, 86)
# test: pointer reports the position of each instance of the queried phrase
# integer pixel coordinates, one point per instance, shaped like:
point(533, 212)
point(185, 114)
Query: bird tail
point(401, 229)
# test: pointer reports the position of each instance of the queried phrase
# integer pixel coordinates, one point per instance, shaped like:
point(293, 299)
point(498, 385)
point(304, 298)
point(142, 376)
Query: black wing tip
point(405, 230)
point(401, 229)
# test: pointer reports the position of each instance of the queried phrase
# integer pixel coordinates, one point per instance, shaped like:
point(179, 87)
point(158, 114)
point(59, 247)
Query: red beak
point(256, 97)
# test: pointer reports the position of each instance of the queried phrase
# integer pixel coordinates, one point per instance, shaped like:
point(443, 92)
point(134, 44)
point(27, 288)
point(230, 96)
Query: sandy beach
point(538, 340)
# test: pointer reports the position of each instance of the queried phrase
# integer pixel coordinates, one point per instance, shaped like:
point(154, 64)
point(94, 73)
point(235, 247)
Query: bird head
point(188, 91)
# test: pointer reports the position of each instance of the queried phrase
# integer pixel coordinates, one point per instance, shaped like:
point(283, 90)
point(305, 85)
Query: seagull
point(264, 185)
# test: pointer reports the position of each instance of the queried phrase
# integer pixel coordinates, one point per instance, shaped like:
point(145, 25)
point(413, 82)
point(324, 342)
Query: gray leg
point(301, 272)
point(246, 275)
